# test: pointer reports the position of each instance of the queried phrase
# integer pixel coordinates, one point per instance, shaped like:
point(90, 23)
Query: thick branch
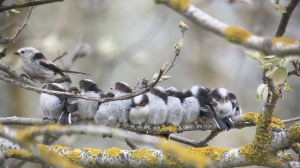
point(28, 4)
point(12, 73)
point(286, 17)
point(153, 130)
point(270, 46)
point(134, 158)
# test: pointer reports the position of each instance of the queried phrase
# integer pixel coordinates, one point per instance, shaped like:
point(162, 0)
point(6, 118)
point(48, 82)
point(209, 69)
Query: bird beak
point(113, 88)
point(78, 87)
point(16, 53)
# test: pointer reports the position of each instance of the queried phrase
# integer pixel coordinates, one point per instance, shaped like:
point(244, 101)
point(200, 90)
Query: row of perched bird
point(157, 107)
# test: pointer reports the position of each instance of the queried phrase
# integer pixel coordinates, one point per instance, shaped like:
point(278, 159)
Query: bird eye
point(22, 52)
point(80, 83)
point(142, 104)
point(219, 97)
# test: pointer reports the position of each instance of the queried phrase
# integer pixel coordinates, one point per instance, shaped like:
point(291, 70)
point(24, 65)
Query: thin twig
point(27, 4)
point(60, 56)
point(199, 143)
point(101, 100)
point(131, 144)
point(291, 120)
point(286, 17)
point(171, 65)
point(8, 40)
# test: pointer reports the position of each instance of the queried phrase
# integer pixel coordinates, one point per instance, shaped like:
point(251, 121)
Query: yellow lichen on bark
point(113, 152)
point(52, 158)
point(144, 154)
point(72, 156)
point(276, 122)
point(251, 117)
point(257, 152)
point(294, 133)
point(178, 5)
point(214, 153)
point(19, 154)
point(283, 41)
point(196, 158)
point(59, 147)
point(169, 128)
point(93, 152)
point(236, 35)
point(172, 161)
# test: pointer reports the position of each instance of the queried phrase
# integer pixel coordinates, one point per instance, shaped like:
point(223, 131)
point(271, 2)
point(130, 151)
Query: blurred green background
point(133, 39)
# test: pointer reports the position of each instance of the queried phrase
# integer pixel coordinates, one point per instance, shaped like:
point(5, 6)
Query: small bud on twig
point(165, 66)
point(183, 26)
point(178, 46)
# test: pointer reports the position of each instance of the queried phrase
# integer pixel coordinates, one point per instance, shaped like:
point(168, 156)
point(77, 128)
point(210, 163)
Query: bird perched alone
point(207, 105)
point(37, 66)
point(88, 108)
point(70, 106)
point(227, 105)
point(52, 105)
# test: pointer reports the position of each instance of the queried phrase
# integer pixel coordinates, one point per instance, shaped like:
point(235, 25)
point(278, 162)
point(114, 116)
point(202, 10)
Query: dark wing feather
point(49, 65)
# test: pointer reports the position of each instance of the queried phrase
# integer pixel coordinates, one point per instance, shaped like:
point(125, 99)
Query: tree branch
point(291, 120)
point(286, 17)
point(279, 46)
point(8, 40)
point(152, 130)
point(60, 56)
point(30, 85)
point(27, 4)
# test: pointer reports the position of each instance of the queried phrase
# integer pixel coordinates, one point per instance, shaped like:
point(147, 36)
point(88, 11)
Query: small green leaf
point(262, 92)
point(287, 88)
point(253, 55)
point(271, 71)
point(281, 9)
point(268, 65)
point(284, 61)
point(270, 56)
point(280, 75)
point(260, 66)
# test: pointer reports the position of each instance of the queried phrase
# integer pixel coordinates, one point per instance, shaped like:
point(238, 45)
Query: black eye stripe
point(22, 52)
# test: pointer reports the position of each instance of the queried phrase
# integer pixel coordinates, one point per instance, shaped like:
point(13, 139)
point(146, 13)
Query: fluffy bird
point(174, 106)
point(207, 105)
point(88, 108)
point(70, 107)
point(121, 89)
point(227, 105)
point(109, 113)
point(191, 107)
point(157, 106)
point(37, 66)
point(139, 111)
point(52, 105)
